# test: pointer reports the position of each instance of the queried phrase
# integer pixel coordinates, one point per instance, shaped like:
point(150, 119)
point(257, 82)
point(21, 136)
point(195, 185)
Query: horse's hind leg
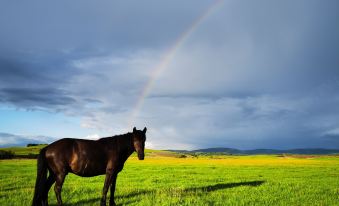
point(49, 183)
point(59, 180)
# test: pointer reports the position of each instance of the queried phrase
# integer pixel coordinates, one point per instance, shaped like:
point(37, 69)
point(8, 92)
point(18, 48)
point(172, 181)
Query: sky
point(197, 74)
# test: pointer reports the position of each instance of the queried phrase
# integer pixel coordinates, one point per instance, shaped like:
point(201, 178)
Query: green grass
point(163, 180)
point(24, 150)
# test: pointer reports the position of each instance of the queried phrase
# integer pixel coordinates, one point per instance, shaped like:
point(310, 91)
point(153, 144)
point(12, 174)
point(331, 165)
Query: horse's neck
point(126, 144)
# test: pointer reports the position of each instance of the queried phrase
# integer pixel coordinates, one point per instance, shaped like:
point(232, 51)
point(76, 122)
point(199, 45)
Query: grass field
point(24, 150)
point(168, 180)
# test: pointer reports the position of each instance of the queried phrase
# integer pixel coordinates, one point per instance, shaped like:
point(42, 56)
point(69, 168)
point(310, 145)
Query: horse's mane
point(115, 137)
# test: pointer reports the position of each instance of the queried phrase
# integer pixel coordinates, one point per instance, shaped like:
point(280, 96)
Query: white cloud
point(92, 137)
point(334, 131)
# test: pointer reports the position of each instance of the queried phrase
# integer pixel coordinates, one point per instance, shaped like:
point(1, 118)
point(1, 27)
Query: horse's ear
point(145, 129)
point(134, 129)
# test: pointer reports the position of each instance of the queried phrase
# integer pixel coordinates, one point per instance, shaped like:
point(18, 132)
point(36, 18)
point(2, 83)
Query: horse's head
point(139, 138)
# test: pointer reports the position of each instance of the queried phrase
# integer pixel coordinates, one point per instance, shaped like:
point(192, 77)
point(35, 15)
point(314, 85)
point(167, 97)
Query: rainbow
point(167, 58)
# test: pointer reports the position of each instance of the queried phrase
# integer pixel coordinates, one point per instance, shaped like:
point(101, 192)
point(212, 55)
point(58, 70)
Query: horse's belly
point(88, 170)
point(87, 167)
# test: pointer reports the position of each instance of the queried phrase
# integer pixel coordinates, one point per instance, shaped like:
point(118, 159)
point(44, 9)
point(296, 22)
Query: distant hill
point(15, 140)
point(261, 151)
point(219, 150)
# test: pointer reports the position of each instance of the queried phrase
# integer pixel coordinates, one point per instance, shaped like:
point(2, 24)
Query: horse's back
point(62, 146)
point(68, 146)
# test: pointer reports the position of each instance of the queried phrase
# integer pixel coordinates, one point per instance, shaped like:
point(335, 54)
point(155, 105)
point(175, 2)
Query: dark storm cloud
point(89, 25)
point(35, 97)
point(14, 71)
point(35, 80)
point(334, 138)
point(29, 70)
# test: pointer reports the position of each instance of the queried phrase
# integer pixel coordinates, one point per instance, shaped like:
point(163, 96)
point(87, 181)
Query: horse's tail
point(41, 178)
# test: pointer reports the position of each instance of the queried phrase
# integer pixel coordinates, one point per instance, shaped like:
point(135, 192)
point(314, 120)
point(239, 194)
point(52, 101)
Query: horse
point(85, 158)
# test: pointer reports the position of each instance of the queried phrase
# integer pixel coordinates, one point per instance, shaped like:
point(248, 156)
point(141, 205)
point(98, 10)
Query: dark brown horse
point(86, 158)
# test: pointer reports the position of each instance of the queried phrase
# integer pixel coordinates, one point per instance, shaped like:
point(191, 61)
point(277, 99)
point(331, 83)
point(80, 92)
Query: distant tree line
point(4, 154)
point(33, 144)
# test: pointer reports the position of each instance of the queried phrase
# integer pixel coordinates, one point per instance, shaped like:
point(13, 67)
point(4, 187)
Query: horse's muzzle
point(141, 156)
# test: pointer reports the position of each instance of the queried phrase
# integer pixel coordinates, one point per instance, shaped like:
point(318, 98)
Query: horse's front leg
point(114, 179)
point(108, 180)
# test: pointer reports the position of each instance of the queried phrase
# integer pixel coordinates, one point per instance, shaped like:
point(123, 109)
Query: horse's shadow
point(211, 188)
point(208, 188)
